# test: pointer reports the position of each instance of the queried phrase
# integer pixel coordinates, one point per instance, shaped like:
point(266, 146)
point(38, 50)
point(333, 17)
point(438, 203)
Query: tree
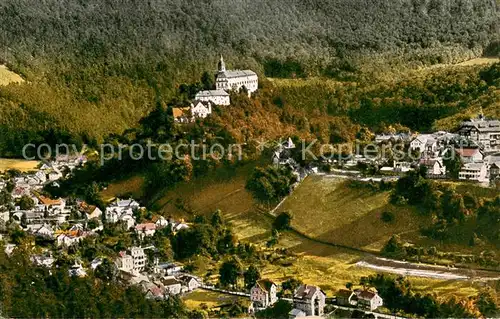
point(251, 276)
point(453, 164)
point(291, 284)
point(394, 247)
point(271, 183)
point(26, 203)
point(229, 272)
point(106, 271)
point(486, 303)
point(207, 80)
point(93, 224)
point(10, 185)
point(283, 221)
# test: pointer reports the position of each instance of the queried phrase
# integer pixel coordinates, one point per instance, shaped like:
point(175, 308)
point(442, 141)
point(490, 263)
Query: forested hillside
point(180, 32)
point(95, 67)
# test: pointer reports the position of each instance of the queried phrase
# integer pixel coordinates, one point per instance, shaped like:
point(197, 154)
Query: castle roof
point(210, 93)
point(231, 74)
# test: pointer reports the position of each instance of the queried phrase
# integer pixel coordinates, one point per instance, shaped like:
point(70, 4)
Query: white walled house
point(201, 109)
point(309, 300)
point(139, 258)
point(172, 286)
point(145, 230)
point(482, 131)
point(470, 155)
point(263, 294)
point(474, 172)
point(419, 143)
point(217, 97)
point(435, 167)
point(125, 262)
point(235, 79)
point(368, 299)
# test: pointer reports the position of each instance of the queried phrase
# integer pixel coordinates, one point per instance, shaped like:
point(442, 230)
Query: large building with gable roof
point(235, 79)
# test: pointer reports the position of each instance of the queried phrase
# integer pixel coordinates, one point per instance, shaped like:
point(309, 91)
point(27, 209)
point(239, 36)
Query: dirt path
point(425, 270)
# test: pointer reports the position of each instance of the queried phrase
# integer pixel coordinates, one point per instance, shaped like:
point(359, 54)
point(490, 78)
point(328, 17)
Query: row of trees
point(398, 295)
point(33, 291)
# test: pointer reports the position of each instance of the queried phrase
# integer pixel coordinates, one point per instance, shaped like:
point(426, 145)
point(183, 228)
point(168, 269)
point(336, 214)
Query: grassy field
point(124, 188)
point(327, 209)
point(7, 76)
point(22, 165)
point(479, 61)
point(323, 207)
point(202, 298)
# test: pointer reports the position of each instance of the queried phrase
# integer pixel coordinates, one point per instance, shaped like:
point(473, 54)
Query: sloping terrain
point(7, 76)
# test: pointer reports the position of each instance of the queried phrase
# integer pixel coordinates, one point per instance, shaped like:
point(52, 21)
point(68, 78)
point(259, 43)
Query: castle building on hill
point(235, 79)
point(218, 97)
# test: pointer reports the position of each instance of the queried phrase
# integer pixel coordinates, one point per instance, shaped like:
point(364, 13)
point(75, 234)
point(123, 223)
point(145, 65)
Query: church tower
point(221, 65)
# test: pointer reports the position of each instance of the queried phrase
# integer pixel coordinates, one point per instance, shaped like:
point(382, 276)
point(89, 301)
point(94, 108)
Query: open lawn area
point(197, 299)
point(22, 165)
point(328, 209)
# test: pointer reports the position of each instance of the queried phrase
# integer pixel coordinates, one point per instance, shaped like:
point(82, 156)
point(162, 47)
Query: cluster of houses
point(67, 222)
point(205, 101)
point(310, 300)
point(476, 143)
point(157, 280)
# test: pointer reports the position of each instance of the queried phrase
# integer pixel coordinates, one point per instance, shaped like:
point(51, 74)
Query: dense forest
point(131, 32)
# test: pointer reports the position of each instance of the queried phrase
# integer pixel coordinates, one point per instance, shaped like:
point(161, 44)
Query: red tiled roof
point(47, 201)
point(467, 152)
point(147, 226)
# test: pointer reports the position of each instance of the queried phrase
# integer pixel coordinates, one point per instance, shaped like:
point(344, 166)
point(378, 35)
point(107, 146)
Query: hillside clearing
point(7, 76)
point(196, 300)
point(328, 209)
point(22, 165)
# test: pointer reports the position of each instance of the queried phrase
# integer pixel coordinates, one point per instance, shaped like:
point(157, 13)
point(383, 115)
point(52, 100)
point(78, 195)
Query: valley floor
point(333, 217)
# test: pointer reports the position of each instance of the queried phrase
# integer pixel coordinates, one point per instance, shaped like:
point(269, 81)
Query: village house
point(51, 204)
point(470, 155)
point(139, 257)
point(435, 167)
point(125, 262)
point(189, 282)
point(77, 270)
point(419, 143)
point(346, 298)
point(145, 230)
point(168, 269)
point(368, 299)
point(44, 231)
point(89, 211)
point(217, 97)
point(483, 132)
point(115, 214)
point(201, 109)
point(263, 294)
point(235, 79)
point(309, 300)
point(172, 286)
point(182, 115)
point(474, 172)
point(161, 222)
point(42, 260)
point(392, 138)
point(495, 171)
point(153, 291)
